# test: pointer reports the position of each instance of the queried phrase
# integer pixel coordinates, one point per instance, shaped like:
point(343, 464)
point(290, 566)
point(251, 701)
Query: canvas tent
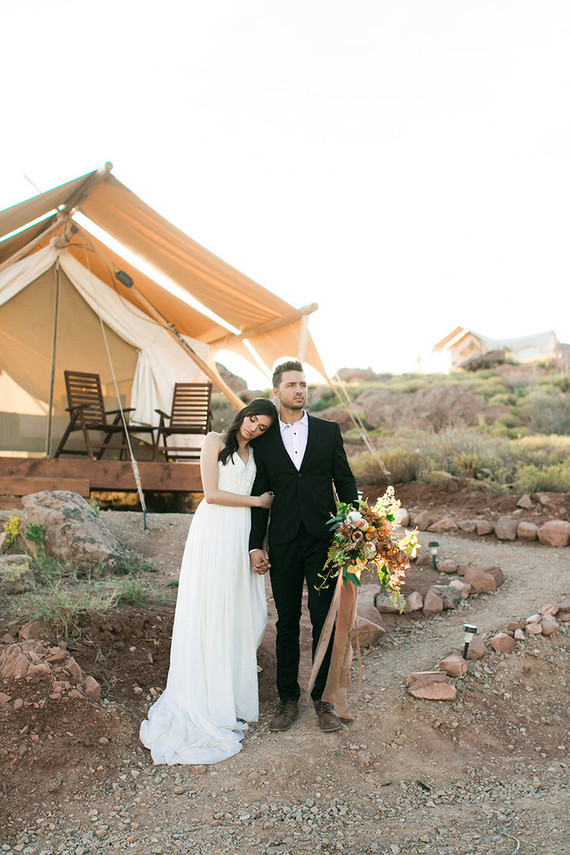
point(62, 307)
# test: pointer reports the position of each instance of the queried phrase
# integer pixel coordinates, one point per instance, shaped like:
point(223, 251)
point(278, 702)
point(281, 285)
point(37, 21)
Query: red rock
point(385, 604)
point(481, 582)
point(463, 568)
point(38, 669)
point(434, 689)
point(525, 502)
point(563, 617)
point(92, 689)
point(477, 648)
point(8, 639)
point(423, 520)
point(564, 606)
point(485, 527)
point(515, 626)
point(455, 666)
point(75, 694)
point(533, 629)
point(424, 559)
point(433, 604)
point(414, 602)
point(527, 531)
point(532, 619)
point(463, 587)
point(15, 666)
point(421, 676)
point(549, 624)
point(447, 566)
point(4, 698)
point(506, 528)
point(468, 525)
point(367, 633)
point(549, 609)
point(443, 525)
point(502, 643)
point(56, 655)
point(32, 629)
point(496, 573)
point(555, 533)
point(519, 635)
point(74, 670)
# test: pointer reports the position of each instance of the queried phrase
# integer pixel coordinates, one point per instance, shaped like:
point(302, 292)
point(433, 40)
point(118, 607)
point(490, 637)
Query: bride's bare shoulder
point(214, 438)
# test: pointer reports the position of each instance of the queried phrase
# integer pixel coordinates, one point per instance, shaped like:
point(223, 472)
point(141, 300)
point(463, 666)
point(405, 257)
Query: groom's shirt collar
point(295, 439)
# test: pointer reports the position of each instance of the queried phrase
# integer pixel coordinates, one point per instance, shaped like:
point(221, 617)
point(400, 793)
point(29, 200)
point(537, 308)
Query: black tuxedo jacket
point(301, 496)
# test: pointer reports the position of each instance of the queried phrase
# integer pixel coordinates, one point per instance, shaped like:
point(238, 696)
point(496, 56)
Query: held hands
point(265, 500)
point(259, 561)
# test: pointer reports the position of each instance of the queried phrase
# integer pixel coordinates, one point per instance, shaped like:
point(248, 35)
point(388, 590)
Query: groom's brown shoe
point(285, 715)
point(328, 719)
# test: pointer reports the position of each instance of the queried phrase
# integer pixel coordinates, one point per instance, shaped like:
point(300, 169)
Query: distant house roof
point(543, 342)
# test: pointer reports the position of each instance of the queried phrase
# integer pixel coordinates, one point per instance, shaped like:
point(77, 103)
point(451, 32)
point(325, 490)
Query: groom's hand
point(259, 561)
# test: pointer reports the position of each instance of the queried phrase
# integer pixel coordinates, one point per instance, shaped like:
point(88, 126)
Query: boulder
point(533, 629)
point(527, 531)
point(404, 517)
point(33, 629)
point(502, 643)
point(463, 587)
point(385, 604)
point(73, 533)
point(477, 648)
point(432, 685)
point(424, 559)
point(525, 502)
point(443, 525)
point(367, 633)
point(496, 573)
point(414, 602)
point(519, 635)
point(450, 595)
point(423, 520)
point(485, 527)
point(506, 528)
point(433, 604)
point(468, 525)
point(16, 577)
point(555, 533)
point(481, 582)
point(454, 666)
point(365, 606)
point(447, 566)
point(92, 689)
point(549, 624)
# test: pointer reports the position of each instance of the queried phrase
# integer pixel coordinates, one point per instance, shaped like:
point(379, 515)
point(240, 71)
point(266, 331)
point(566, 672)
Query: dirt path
point(471, 777)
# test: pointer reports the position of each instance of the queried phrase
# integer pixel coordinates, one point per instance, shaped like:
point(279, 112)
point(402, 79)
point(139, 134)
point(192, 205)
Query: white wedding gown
point(221, 615)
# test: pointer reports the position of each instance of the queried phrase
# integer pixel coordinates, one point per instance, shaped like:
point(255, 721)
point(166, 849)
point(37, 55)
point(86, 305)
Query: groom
point(299, 458)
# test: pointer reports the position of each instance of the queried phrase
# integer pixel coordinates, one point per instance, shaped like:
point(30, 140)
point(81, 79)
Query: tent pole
point(303, 339)
point(53, 353)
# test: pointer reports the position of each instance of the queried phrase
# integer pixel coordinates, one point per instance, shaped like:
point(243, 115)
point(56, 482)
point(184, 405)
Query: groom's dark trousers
point(299, 537)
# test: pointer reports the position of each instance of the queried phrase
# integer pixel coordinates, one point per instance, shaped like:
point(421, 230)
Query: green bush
point(547, 410)
point(534, 479)
point(62, 608)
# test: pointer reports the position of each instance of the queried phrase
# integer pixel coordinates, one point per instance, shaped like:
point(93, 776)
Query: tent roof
point(271, 325)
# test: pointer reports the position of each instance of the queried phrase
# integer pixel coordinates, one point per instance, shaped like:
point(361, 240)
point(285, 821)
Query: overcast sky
point(404, 164)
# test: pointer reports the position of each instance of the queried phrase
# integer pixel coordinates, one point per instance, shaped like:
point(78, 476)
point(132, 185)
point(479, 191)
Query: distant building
point(463, 344)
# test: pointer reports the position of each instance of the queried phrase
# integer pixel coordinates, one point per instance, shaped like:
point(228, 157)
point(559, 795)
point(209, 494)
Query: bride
point(221, 610)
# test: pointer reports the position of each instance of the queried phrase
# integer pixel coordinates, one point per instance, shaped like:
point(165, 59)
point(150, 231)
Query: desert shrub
point(547, 410)
point(367, 470)
point(554, 478)
point(62, 607)
point(132, 591)
point(466, 452)
point(541, 450)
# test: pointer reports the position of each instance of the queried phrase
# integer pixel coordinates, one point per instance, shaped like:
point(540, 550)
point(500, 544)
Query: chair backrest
point(191, 406)
point(86, 389)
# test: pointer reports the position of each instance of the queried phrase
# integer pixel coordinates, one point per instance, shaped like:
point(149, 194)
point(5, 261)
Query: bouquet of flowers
point(365, 538)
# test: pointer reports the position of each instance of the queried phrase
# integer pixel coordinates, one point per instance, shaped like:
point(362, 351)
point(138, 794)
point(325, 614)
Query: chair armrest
point(161, 413)
point(125, 410)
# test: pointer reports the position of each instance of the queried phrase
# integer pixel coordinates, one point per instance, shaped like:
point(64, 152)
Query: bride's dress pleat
point(221, 615)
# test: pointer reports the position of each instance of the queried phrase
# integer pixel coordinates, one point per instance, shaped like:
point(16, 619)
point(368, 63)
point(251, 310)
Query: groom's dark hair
point(287, 365)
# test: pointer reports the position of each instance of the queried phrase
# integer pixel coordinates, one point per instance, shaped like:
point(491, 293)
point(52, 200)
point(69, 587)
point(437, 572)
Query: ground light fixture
point(433, 547)
point(469, 631)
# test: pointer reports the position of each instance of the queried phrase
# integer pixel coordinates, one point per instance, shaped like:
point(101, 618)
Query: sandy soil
point(487, 773)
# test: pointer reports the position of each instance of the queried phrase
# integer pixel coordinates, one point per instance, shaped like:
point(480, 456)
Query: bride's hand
point(265, 500)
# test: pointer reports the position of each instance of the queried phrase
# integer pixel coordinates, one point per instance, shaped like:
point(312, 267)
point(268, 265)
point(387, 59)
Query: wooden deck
point(22, 475)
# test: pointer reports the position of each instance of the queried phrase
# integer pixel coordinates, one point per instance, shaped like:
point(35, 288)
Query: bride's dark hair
point(257, 407)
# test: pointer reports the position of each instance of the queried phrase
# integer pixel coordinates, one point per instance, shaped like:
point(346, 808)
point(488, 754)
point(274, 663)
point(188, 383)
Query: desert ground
point(485, 774)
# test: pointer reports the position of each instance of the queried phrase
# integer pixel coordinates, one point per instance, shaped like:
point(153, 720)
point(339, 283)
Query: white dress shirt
point(295, 439)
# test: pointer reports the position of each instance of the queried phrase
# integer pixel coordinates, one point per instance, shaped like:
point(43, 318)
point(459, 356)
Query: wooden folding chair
point(190, 416)
point(87, 414)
